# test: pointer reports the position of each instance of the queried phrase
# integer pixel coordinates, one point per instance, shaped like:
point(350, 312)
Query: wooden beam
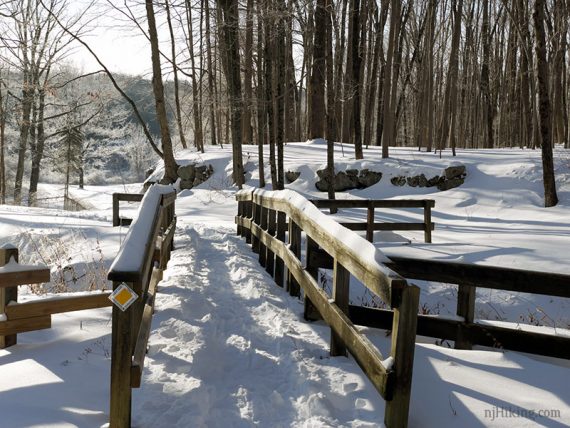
point(12, 327)
point(494, 277)
point(139, 353)
point(8, 294)
point(31, 276)
point(478, 334)
point(340, 294)
point(465, 309)
point(385, 226)
point(57, 305)
point(377, 203)
point(121, 354)
point(402, 352)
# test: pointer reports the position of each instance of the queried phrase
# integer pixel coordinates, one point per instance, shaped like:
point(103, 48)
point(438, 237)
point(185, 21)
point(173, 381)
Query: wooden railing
point(466, 332)
point(463, 330)
point(33, 315)
point(371, 225)
point(139, 264)
point(263, 219)
point(126, 197)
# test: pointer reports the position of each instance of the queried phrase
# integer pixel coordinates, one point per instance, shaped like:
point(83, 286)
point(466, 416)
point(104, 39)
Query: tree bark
point(170, 167)
point(230, 32)
point(550, 196)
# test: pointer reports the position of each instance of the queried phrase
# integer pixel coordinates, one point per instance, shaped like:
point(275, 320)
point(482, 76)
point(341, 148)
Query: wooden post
point(116, 220)
point(279, 264)
point(263, 226)
point(403, 345)
point(466, 309)
point(370, 222)
point(311, 313)
point(340, 292)
point(295, 247)
point(248, 214)
point(241, 214)
point(257, 221)
point(8, 294)
point(271, 229)
point(427, 221)
point(122, 341)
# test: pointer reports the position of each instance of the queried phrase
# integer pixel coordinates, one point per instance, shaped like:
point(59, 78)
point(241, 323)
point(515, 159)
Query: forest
point(432, 74)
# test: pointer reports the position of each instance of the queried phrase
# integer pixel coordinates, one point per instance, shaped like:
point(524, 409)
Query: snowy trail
point(229, 348)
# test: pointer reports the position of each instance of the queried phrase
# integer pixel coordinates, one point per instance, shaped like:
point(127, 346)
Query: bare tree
point(550, 196)
point(170, 167)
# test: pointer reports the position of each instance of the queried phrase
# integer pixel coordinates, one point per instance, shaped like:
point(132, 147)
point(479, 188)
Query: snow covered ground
point(230, 348)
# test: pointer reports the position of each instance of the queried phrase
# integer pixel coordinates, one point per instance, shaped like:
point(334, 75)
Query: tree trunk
point(38, 152)
point(317, 120)
point(211, 74)
point(485, 85)
point(550, 196)
point(230, 32)
point(196, 107)
point(175, 76)
point(390, 85)
point(170, 167)
point(248, 75)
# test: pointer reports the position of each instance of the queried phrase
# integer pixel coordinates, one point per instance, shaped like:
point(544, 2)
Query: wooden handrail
point(371, 204)
point(262, 218)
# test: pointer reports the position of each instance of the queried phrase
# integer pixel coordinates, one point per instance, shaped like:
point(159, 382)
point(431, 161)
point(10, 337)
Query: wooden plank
point(428, 225)
point(295, 246)
point(57, 305)
point(121, 353)
point(241, 213)
point(256, 217)
point(494, 277)
point(430, 326)
point(310, 313)
point(466, 309)
point(8, 294)
point(271, 229)
point(279, 265)
point(129, 197)
point(263, 222)
point(115, 209)
point(249, 215)
point(12, 327)
point(370, 222)
point(139, 353)
point(378, 203)
point(402, 352)
point(364, 352)
point(385, 226)
point(33, 276)
point(340, 294)
point(477, 334)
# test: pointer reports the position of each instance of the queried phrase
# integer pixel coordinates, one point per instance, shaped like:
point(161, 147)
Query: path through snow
point(229, 348)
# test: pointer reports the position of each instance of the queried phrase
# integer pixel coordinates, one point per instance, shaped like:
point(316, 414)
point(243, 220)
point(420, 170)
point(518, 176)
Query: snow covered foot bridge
point(230, 348)
point(227, 336)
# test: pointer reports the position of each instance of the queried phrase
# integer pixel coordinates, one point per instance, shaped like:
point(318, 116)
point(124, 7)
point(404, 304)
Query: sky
point(118, 43)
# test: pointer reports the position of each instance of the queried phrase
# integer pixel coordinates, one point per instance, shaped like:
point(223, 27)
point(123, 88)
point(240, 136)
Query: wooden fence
point(265, 217)
point(34, 315)
point(464, 331)
point(126, 197)
point(370, 204)
point(139, 264)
